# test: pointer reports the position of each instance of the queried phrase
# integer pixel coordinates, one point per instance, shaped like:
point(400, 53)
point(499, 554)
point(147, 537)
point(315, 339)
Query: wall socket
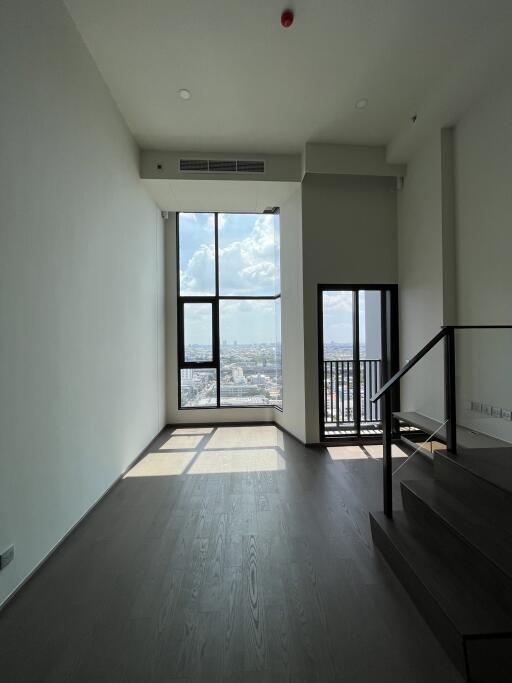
point(490, 411)
point(6, 557)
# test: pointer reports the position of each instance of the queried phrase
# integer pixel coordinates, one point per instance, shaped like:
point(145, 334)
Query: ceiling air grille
point(221, 166)
point(250, 166)
point(193, 165)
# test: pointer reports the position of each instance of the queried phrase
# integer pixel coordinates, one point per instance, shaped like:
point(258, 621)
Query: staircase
point(451, 544)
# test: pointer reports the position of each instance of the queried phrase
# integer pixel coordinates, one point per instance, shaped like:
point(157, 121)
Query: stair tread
point(466, 438)
point(488, 538)
point(464, 601)
point(494, 465)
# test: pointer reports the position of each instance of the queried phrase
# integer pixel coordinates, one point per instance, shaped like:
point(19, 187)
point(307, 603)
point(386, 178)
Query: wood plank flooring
point(226, 554)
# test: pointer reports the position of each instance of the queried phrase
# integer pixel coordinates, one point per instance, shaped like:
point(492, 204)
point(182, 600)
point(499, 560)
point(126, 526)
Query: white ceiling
point(259, 88)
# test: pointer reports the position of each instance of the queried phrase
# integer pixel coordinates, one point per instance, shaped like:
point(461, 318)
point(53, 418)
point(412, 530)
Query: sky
point(338, 312)
point(337, 323)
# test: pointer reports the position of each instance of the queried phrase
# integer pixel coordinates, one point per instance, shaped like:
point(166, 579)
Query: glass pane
point(197, 254)
point(337, 325)
point(198, 388)
point(276, 392)
point(197, 329)
point(250, 353)
point(370, 356)
point(338, 362)
point(249, 254)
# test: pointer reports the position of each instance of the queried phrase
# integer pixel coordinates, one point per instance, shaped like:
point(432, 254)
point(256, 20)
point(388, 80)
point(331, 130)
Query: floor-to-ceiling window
point(229, 310)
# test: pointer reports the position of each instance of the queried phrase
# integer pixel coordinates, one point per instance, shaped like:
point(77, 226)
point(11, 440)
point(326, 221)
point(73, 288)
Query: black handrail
point(410, 364)
point(448, 334)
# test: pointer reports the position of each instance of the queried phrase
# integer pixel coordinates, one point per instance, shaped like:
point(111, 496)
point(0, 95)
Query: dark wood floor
point(229, 554)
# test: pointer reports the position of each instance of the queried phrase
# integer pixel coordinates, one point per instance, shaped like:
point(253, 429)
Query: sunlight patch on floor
point(208, 462)
point(179, 441)
point(229, 461)
point(265, 436)
point(193, 430)
point(369, 452)
point(161, 465)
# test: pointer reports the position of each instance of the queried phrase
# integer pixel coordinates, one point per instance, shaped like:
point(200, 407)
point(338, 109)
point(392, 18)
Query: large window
point(229, 310)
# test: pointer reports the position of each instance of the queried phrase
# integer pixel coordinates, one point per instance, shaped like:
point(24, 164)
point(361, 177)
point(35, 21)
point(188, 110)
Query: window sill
point(262, 405)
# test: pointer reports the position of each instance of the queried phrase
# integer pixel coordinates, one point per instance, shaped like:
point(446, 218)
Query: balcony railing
point(339, 398)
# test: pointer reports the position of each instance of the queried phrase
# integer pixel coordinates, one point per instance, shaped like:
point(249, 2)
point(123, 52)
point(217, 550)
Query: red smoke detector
point(287, 18)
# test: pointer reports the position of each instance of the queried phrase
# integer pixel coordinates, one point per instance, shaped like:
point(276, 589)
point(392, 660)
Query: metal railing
point(383, 396)
point(340, 386)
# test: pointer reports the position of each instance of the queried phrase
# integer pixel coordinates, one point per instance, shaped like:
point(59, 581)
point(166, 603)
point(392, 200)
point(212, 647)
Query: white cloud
point(199, 276)
point(251, 266)
point(248, 266)
point(337, 301)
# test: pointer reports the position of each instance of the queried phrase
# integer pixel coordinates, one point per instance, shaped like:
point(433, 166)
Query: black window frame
point(215, 301)
point(389, 349)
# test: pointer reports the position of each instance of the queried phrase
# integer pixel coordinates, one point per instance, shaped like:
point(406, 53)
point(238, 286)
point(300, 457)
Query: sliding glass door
point(357, 344)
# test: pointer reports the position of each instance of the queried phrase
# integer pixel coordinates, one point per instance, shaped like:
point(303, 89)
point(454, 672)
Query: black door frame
point(389, 348)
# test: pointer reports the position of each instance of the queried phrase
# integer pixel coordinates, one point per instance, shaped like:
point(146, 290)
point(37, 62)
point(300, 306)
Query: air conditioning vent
point(221, 166)
point(250, 166)
point(193, 165)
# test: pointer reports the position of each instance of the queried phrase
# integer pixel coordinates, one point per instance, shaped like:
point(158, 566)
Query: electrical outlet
point(6, 557)
point(506, 414)
point(476, 407)
point(486, 410)
point(495, 412)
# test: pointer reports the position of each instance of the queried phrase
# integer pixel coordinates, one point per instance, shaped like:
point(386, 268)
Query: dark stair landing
point(466, 438)
point(451, 547)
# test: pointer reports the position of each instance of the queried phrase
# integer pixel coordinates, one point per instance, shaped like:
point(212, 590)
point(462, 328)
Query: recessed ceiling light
point(362, 103)
point(184, 94)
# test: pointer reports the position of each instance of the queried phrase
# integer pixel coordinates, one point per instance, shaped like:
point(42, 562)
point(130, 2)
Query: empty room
point(255, 341)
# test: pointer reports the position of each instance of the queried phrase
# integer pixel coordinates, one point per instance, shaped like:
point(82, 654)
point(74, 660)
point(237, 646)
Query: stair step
point(461, 475)
point(488, 548)
point(458, 608)
point(492, 464)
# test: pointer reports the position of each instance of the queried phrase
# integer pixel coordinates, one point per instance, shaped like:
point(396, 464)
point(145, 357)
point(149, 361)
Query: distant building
point(238, 390)
point(238, 374)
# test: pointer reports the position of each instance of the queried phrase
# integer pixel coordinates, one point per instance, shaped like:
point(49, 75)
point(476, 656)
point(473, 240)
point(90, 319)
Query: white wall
point(420, 258)
point(292, 316)
point(483, 162)
point(349, 237)
point(81, 363)
point(455, 241)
